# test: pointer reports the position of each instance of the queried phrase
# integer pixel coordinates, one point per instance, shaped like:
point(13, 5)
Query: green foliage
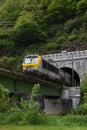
point(52, 46)
point(4, 99)
point(56, 8)
point(84, 84)
point(72, 24)
point(10, 10)
point(83, 37)
point(85, 98)
point(63, 9)
point(8, 62)
point(60, 39)
point(27, 30)
point(35, 90)
point(72, 120)
point(81, 7)
point(15, 116)
point(27, 22)
point(85, 20)
point(31, 109)
point(7, 46)
point(27, 112)
point(72, 37)
point(74, 31)
point(81, 109)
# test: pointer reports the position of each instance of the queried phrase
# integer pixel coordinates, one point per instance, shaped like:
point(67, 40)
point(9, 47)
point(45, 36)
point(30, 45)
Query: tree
point(81, 7)
point(27, 30)
point(85, 20)
point(10, 10)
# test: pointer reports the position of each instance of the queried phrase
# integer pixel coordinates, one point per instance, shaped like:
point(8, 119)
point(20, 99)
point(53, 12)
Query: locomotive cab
point(31, 63)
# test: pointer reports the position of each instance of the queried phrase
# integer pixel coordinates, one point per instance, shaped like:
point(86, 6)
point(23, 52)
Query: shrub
point(1, 62)
point(60, 39)
point(4, 99)
point(84, 84)
point(85, 20)
point(31, 108)
point(75, 120)
point(74, 31)
point(15, 116)
point(52, 46)
point(83, 37)
point(72, 37)
point(81, 109)
point(81, 7)
point(5, 62)
point(72, 24)
point(27, 30)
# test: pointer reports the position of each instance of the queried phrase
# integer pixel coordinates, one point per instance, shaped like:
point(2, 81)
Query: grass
point(69, 122)
point(39, 127)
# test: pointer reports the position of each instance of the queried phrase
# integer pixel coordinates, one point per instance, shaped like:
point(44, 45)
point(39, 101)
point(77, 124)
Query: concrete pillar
point(74, 94)
point(53, 106)
point(71, 93)
point(65, 93)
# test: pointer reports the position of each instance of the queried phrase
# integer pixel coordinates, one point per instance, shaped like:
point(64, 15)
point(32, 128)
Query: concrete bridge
point(56, 98)
point(74, 63)
point(51, 96)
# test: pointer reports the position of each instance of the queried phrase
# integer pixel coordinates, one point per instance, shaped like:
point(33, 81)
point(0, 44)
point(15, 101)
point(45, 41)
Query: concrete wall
point(76, 60)
point(57, 106)
point(71, 93)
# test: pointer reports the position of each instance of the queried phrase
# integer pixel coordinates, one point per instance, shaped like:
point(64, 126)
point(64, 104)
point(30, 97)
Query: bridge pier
point(71, 93)
point(57, 106)
point(53, 105)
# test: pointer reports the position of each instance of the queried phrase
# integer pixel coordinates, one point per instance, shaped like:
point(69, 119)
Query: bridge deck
point(20, 83)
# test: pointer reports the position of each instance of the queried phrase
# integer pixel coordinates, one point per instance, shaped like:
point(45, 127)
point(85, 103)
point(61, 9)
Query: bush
point(52, 46)
point(28, 31)
point(84, 84)
point(83, 37)
point(75, 120)
point(7, 45)
point(4, 99)
point(26, 113)
point(85, 20)
point(72, 24)
point(33, 117)
point(30, 109)
point(81, 109)
point(81, 7)
point(60, 39)
point(72, 37)
point(15, 116)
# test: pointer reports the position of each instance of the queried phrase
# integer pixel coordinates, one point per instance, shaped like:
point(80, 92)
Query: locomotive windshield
point(30, 59)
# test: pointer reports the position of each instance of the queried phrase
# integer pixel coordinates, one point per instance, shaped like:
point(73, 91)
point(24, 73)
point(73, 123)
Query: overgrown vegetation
point(82, 108)
point(27, 112)
point(50, 24)
point(4, 100)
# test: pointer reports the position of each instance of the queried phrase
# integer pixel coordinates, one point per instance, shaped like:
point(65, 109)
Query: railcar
point(35, 64)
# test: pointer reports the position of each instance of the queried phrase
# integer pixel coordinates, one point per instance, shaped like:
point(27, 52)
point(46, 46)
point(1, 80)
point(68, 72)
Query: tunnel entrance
point(75, 79)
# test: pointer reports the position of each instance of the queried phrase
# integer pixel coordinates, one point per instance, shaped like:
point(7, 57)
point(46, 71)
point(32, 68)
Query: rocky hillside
point(41, 26)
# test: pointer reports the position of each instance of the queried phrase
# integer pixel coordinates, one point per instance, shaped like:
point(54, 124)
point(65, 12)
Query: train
point(36, 65)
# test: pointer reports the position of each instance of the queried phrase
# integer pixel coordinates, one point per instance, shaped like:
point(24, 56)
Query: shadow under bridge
point(75, 79)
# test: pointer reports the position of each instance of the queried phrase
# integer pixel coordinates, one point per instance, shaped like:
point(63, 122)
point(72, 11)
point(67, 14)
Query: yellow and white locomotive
point(36, 64)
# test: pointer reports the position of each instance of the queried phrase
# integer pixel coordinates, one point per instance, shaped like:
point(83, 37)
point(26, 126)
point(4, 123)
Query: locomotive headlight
point(24, 68)
point(35, 68)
